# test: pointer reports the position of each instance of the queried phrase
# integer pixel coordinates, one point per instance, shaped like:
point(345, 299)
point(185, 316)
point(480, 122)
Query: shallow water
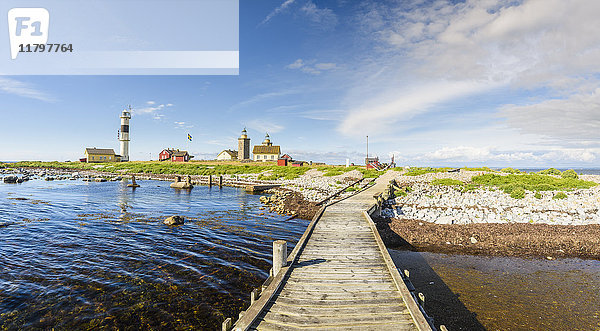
point(79, 254)
point(467, 292)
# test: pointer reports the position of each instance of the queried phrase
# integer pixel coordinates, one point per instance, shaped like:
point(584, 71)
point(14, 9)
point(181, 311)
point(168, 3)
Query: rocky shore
point(290, 203)
point(487, 221)
point(496, 239)
point(447, 205)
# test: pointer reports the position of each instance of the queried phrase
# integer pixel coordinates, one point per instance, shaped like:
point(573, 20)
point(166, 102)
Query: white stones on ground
point(439, 204)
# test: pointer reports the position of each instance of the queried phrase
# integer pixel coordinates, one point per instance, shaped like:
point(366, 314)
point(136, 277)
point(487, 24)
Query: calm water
point(467, 292)
point(75, 254)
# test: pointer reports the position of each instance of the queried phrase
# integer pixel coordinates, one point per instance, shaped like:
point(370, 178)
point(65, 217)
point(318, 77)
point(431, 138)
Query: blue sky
point(498, 83)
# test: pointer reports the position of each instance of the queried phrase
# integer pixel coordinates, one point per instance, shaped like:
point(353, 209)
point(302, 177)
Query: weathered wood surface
point(341, 279)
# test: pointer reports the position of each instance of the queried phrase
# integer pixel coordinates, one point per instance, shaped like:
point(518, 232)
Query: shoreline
point(298, 198)
point(492, 239)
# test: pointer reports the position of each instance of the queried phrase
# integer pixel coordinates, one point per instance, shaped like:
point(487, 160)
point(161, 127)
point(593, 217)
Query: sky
point(433, 83)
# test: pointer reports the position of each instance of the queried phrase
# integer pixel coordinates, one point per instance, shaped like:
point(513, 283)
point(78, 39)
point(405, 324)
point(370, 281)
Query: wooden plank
point(356, 296)
point(341, 320)
point(327, 311)
point(315, 301)
point(374, 326)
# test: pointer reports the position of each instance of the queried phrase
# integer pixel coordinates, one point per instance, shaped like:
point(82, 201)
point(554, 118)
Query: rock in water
point(174, 220)
point(11, 179)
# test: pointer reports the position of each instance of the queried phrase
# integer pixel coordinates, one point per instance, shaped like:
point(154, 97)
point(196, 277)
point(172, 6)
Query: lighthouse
point(124, 136)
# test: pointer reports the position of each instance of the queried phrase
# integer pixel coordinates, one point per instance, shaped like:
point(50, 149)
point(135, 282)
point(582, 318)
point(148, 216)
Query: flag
point(189, 137)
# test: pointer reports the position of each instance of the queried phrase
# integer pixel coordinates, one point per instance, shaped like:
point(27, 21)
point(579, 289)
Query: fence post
point(279, 256)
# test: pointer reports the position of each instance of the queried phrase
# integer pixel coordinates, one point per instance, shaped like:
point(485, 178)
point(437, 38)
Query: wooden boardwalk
point(339, 277)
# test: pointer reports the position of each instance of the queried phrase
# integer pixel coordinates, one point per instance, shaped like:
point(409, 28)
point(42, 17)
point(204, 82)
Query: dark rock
point(174, 220)
point(11, 179)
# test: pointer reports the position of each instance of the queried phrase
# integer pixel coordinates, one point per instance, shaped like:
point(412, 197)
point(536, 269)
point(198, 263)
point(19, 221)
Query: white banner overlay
point(115, 37)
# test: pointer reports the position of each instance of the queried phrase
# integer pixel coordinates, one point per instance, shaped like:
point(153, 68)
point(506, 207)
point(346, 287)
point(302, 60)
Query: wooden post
point(253, 296)
point(220, 181)
point(209, 180)
point(226, 326)
point(279, 256)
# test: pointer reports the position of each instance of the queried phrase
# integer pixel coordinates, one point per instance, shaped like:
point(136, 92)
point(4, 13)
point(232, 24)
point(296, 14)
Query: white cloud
point(311, 67)
point(324, 18)
point(576, 117)
point(325, 66)
point(382, 113)
point(323, 114)
point(278, 10)
point(296, 65)
point(264, 96)
point(420, 57)
point(265, 126)
point(526, 42)
point(321, 18)
point(151, 108)
point(490, 155)
point(16, 87)
point(183, 125)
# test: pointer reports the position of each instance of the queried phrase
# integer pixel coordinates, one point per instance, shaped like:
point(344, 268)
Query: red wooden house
point(174, 155)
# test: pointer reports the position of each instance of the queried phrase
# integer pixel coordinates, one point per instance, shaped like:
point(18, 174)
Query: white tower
point(124, 136)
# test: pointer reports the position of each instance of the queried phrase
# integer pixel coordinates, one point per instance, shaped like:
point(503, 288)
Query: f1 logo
point(27, 26)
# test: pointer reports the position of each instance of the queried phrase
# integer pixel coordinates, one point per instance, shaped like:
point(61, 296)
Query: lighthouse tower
point(124, 136)
point(244, 146)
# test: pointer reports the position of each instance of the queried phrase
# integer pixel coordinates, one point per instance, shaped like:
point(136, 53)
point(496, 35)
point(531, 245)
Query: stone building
point(243, 146)
point(266, 151)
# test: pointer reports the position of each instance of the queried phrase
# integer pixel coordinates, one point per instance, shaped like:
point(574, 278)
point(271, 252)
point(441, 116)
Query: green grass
point(559, 195)
point(194, 168)
point(415, 171)
point(538, 195)
point(478, 169)
point(510, 170)
point(156, 167)
point(550, 171)
point(330, 171)
point(569, 174)
point(400, 193)
point(531, 182)
point(518, 193)
point(447, 182)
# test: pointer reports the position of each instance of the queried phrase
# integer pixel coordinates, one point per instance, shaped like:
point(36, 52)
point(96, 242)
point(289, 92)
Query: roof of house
point(286, 156)
point(262, 149)
point(100, 151)
point(174, 152)
point(231, 153)
point(180, 153)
